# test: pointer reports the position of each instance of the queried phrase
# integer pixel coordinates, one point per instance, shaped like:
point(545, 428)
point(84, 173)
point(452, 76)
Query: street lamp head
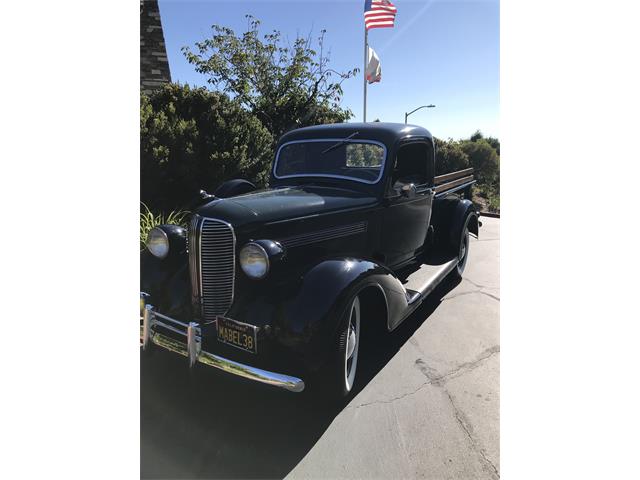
point(406, 115)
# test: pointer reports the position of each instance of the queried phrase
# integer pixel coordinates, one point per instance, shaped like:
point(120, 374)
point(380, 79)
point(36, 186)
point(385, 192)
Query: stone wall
point(154, 66)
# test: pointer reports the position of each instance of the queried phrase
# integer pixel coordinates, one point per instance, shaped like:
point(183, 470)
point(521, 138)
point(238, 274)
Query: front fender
point(167, 282)
point(309, 321)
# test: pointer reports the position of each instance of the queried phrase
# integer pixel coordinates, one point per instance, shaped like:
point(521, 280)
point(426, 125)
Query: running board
point(424, 280)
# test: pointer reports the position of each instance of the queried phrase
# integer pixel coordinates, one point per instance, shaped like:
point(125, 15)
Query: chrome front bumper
point(192, 349)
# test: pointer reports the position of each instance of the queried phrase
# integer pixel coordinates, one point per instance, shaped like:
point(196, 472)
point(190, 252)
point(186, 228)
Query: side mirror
point(408, 190)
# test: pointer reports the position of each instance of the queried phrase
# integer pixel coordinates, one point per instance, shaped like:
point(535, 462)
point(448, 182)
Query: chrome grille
point(194, 270)
point(212, 263)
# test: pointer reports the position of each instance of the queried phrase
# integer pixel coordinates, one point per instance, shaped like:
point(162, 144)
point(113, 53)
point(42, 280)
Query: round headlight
point(254, 260)
point(158, 242)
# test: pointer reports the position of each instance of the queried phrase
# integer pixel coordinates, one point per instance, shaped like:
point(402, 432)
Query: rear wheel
point(463, 249)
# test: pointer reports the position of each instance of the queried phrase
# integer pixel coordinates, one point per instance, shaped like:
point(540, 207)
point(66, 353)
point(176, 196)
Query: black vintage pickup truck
point(277, 285)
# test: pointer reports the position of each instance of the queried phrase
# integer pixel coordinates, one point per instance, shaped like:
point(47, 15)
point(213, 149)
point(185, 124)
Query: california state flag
point(373, 71)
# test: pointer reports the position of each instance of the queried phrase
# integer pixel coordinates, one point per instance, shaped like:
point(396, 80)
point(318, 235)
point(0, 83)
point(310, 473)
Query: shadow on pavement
point(212, 425)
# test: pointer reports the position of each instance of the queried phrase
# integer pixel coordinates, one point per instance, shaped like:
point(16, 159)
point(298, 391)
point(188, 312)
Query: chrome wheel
point(353, 340)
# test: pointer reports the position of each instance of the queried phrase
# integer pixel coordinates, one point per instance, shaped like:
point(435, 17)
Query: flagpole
point(364, 77)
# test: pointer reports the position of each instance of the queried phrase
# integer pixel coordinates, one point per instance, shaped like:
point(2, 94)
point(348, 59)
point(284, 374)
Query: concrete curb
point(490, 214)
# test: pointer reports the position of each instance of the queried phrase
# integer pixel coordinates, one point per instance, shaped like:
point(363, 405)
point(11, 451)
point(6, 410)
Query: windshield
point(357, 160)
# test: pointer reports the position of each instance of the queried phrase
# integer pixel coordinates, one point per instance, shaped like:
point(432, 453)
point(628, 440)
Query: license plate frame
point(242, 336)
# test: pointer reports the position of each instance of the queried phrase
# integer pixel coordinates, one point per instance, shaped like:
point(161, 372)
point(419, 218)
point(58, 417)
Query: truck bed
point(454, 181)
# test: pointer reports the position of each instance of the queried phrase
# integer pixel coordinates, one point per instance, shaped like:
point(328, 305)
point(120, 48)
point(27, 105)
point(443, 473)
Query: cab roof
point(387, 133)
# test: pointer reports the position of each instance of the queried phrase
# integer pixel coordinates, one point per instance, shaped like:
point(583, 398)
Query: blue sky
point(444, 52)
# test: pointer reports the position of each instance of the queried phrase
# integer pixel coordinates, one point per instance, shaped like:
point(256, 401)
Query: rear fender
point(461, 210)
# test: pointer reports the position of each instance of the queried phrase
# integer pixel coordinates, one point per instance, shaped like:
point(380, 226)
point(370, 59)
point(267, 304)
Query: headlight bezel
point(263, 252)
point(177, 241)
point(160, 234)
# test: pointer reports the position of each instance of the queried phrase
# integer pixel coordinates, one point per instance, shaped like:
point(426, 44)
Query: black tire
point(340, 376)
point(462, 250)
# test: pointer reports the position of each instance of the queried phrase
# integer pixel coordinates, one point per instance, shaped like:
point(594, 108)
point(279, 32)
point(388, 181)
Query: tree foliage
point(483, 154)
point(285, 85)
point(192, 139)
point(477, 135)
point(363, 155)
point(493, 141)
point(484, 157)
point(450, 157)
point(484, 160)
point(495, 144)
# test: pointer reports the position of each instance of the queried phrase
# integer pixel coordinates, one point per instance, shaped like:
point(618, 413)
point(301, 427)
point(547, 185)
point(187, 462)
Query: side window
point(414, 164)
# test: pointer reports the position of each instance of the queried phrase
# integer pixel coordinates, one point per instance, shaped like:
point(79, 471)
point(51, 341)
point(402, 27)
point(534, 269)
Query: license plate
point(238, 334)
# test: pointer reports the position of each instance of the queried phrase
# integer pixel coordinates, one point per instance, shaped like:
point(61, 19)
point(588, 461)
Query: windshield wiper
point(340, 143)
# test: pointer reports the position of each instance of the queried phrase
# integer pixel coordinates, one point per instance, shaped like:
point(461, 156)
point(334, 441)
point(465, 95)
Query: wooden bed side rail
point(440, 179)
point(453, 184)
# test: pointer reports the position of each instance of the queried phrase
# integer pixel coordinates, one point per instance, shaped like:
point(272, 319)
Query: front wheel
point(341, 372)
point(350, 338)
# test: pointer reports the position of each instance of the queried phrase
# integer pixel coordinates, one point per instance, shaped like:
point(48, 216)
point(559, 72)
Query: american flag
point(379, 14)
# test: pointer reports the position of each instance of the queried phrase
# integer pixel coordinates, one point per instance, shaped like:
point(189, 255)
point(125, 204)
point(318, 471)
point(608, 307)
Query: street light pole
point(406, 115)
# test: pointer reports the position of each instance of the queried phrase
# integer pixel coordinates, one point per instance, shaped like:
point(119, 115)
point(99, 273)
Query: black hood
point(289, 203)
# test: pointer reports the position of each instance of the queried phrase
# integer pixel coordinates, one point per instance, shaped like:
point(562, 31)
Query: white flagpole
point(364, 76)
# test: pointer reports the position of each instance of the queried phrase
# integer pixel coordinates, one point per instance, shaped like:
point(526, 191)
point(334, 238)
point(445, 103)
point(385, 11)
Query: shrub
point(192, 139)
point(449, 157)
point(483, 154)
point(484, 160)
point(493, 202)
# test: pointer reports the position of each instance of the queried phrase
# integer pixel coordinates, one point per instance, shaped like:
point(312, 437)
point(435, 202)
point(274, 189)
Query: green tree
point(363, 155)
point(476, 136)
point(285, 86)
point(450, 157)
point(495, 143)
point(484, 160)
point(194, 138)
